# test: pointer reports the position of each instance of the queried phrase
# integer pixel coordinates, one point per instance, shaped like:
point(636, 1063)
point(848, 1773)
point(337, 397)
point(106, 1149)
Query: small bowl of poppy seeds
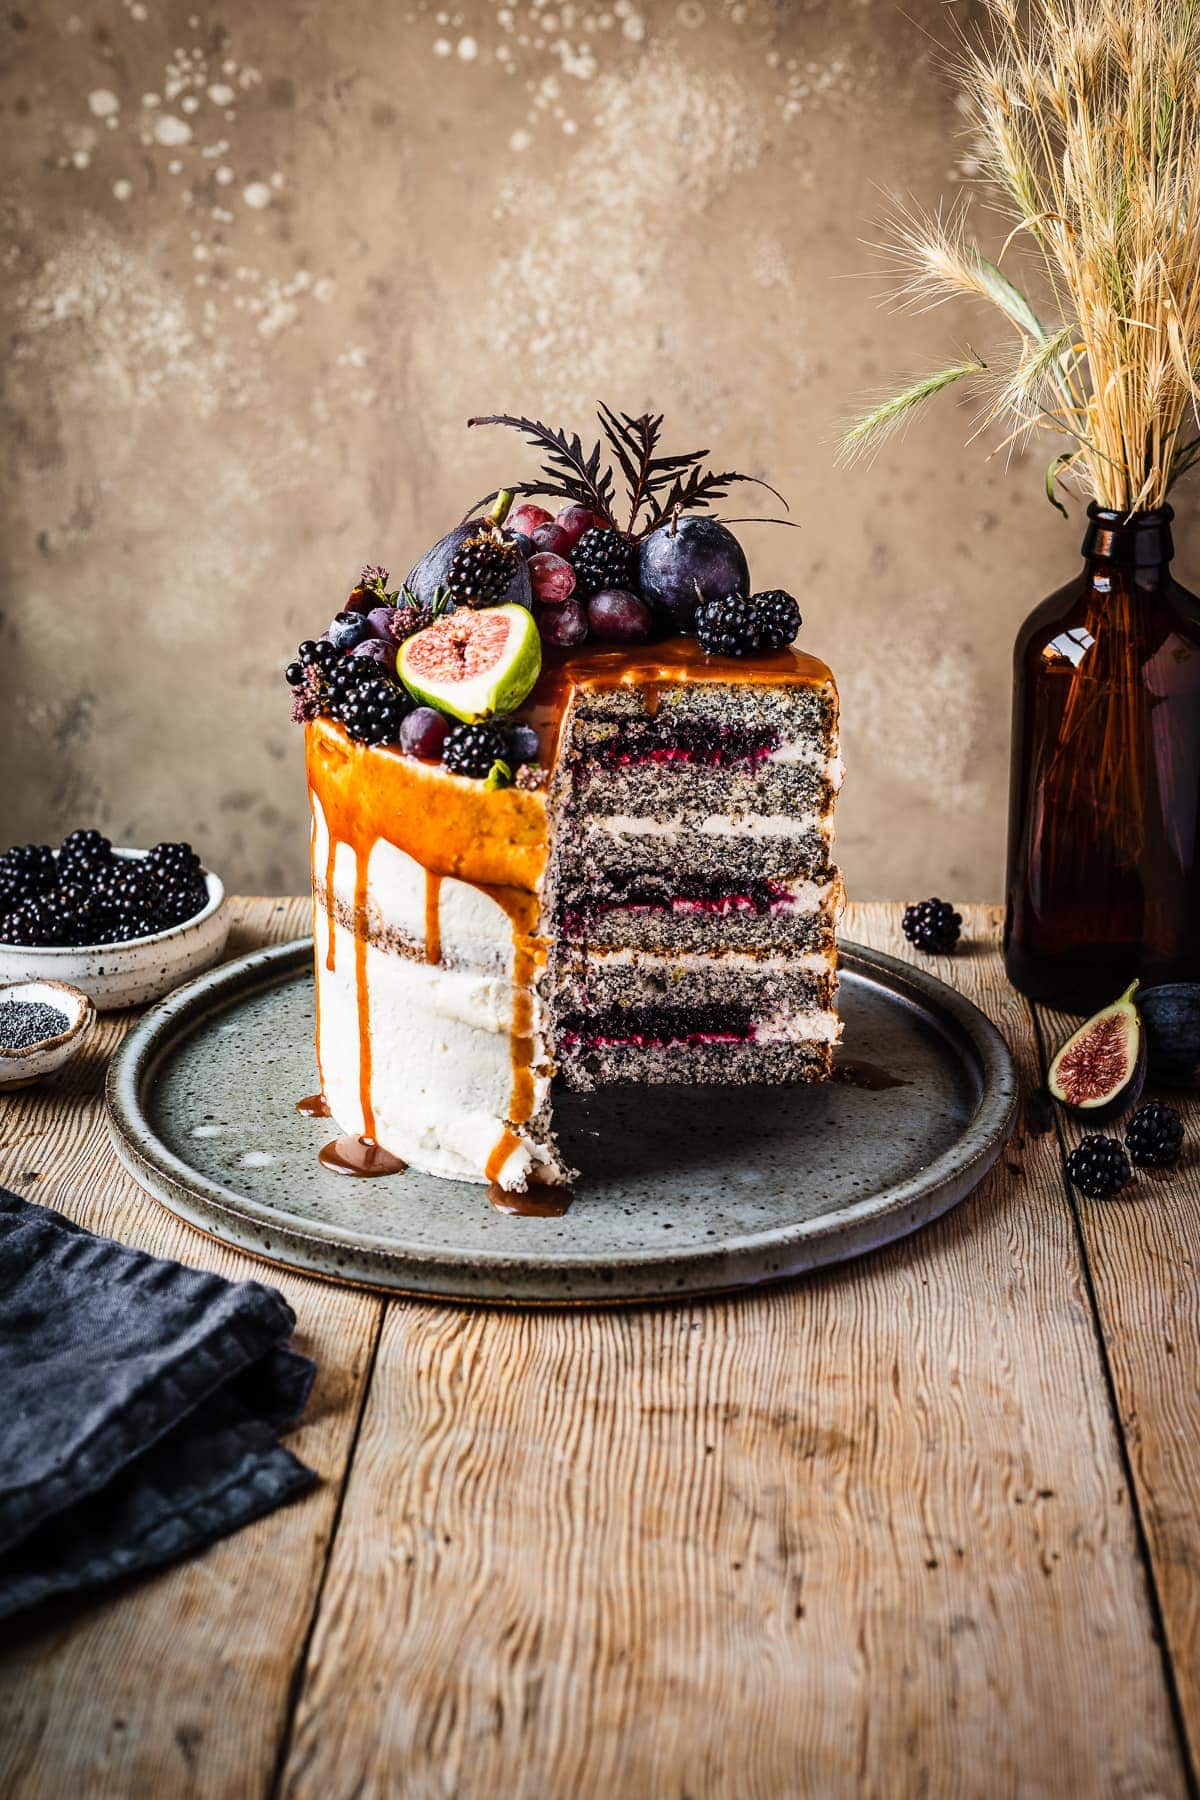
point(42, 1025)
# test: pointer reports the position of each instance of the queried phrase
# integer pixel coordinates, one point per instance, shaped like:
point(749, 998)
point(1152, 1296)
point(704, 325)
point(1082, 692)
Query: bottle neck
point(1129, 540)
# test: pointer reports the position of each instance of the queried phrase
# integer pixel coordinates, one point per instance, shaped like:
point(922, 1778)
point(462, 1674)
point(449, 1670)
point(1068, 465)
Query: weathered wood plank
point(1142, 1249)
point(867, 1533)
point(179, 1683)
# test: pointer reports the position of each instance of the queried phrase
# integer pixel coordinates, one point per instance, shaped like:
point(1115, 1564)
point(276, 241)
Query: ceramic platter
point(683, 1191)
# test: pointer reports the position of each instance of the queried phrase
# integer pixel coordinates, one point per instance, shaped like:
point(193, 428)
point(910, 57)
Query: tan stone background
point(260, 264)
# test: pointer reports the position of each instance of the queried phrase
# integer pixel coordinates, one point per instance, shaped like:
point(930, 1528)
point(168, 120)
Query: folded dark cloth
point(140, 1407)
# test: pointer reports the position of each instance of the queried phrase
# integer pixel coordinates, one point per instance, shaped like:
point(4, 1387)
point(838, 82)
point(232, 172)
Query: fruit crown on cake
point(440, 665)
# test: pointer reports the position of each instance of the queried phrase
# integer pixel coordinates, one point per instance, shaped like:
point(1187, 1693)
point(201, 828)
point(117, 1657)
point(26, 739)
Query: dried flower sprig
point(1088, 112)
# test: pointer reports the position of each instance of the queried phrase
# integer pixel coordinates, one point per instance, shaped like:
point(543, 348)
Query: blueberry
point(347, 630)
point(522, 743)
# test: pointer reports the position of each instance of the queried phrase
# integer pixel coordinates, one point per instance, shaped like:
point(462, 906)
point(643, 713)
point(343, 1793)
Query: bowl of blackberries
point(124, 925)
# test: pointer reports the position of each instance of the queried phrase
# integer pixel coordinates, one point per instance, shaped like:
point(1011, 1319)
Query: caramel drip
point(361, 994)
point(312, 855)
point(433, 917)
point(541, 1203)
point(330, 866)
point(360, 1156)
point(313, 1106)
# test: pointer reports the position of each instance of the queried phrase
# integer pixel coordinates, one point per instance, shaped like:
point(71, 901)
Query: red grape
point(618, 617)
point(563, 625)
point(527, 517)
point(575, 520)
point(423, 734)
point(551, 577)
point(551, 537)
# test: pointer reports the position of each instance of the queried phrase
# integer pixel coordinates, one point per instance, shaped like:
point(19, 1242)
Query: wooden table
point(920, 1525)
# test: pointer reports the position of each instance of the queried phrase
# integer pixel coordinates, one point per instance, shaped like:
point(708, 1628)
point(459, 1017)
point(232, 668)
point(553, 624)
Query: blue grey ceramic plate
point(683, 1191)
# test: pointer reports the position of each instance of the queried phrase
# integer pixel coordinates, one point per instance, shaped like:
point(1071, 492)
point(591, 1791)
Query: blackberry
point(482, 569)
point(171, 859)
point(83, 858)
point(778, 619)
point(472, 749)
point(1154, 1136)
point(372, 708)
point(1099, 1167)
point(933, 926)
point(604, 559)
point(31, 923)
point(25, 871)
point(728, 626)
point(294, 674)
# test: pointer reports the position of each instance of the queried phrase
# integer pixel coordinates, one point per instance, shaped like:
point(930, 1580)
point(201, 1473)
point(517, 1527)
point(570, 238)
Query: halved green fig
point(474, 664)
point(1102, 1066)
point(1171, 1015)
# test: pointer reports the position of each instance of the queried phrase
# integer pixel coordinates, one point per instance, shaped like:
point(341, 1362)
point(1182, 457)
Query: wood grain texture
point(865, 1533)
point(1143, 1251)
point(177, 1683)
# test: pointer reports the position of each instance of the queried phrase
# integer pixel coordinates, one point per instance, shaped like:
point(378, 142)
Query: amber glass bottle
point(1104, 814)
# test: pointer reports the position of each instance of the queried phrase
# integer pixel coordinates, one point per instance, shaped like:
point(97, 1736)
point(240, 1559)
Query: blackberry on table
point(932, 926)
point(777, 617)
point(1099, 1167)
point(1154, 1136)
point(604, 559)
point(482, 569)
point(371, 707)
point(728, 626)
point(472, 749)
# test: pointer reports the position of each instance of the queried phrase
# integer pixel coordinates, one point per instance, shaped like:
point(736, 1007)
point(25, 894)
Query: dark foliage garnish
point(657, 485)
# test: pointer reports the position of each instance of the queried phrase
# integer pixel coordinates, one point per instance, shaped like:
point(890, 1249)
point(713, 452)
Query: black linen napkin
point(140, 1406)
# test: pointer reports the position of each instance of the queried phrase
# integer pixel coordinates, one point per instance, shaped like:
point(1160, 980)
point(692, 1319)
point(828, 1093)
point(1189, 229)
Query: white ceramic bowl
point(19, 1067)
point(131, 974)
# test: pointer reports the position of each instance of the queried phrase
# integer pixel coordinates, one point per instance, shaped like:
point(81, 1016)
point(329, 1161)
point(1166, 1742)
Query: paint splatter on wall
point(261, 263)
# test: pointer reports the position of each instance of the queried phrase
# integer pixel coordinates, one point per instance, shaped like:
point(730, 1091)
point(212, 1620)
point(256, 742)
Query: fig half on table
point(1101, 1068)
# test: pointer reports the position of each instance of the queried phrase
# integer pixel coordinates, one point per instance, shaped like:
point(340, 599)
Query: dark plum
point(423, 733)
point(380, 620)
point(563, 625)
point(617, 617)
point(524, 544)
point(689, 554)
point(523, 743)
point(348, 629)
point(552, 537)
point(551, 577)
point(376, 651)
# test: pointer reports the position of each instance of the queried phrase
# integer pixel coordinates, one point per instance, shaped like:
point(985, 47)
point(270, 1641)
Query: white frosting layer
point(441, 1062)
point(799, 1028)
point(806, 962)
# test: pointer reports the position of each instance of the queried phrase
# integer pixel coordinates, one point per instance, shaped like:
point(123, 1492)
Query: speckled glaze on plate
point(684, 1191)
